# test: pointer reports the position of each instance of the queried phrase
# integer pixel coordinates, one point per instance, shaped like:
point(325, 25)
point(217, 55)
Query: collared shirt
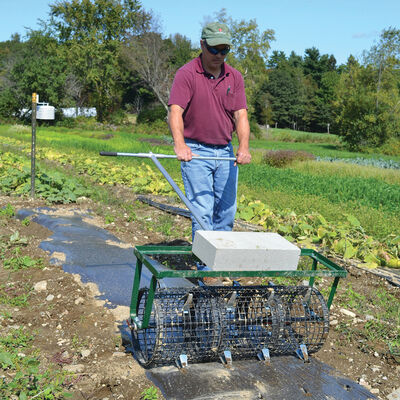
point(208, 102)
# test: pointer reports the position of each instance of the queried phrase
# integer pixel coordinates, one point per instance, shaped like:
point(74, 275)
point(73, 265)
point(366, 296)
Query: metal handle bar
point(168, 177)
point(150, 155)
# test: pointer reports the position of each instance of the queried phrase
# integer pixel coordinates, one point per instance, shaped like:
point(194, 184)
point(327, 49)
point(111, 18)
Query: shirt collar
point(201, 70)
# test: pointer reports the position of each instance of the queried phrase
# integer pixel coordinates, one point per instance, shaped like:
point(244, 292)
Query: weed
point(77, 343)
point(26, 222)
point(14, 296)
point(25, 379)
point(149, 394)
point(22, 262)
point(377, 330)
point(109, 218)
point(7, 211)
point(346, 332)
point(350, 298)
point(283, 158)
point(5, 315)
point(165, 224)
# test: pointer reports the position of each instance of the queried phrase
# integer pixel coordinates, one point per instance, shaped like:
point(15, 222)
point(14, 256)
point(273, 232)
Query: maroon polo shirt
point(208, 103)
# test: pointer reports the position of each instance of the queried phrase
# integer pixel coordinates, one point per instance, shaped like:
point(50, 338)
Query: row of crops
point(345, 236)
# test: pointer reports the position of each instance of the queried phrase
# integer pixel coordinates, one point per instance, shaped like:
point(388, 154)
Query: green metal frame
point(331, 270)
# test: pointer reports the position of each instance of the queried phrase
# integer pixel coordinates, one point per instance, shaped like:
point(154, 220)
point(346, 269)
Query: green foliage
point(347, 239)
point(370, 197)
point(50, 185)
point(7, 211)
point(14, 295)
point(152, 115)
point(336, 189)
point(291, 136)
point(22, 262)
point(90, 34)
point(149, 394)
point(159, 128)
point(378, 163)
point(368, 98)
point(182, 51)
point(283, 158)
point(255, 129)
point(391, 147)
point(25, 377)
point(300, 91)
point(367, 115)
point(37, 68)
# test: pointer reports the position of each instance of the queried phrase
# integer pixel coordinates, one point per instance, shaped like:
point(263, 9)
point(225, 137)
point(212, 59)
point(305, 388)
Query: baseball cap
point(216, 33)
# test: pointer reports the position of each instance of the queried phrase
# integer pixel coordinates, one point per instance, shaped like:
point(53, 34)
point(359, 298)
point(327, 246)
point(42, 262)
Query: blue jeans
point(211, 186)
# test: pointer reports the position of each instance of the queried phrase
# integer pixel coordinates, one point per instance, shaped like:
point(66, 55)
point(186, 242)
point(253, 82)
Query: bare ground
point(74, 331)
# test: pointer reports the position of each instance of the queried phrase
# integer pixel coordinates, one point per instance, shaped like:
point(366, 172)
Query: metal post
point(179, 192)
point(33, 147)
point(314, 268)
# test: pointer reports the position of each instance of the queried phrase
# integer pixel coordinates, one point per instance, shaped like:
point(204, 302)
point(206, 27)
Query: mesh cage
point(306, 317)
point(179, 326)
point(204, 321)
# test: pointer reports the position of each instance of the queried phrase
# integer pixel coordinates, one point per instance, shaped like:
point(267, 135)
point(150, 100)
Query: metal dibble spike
point(302, 353)
point(307, 296)
point(264, 356)
point(271, 296)
point(188, 303)
point(182, 362)
point(226, 358)
point(231, 303)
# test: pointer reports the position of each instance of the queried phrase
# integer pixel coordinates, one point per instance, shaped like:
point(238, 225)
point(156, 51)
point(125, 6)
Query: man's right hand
point(183, 152)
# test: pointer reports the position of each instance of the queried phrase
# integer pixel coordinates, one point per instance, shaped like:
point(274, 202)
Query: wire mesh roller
point(181, 322)
point(205, 321)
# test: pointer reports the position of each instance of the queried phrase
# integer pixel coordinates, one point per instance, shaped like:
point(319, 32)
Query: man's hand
point(183, 152)
point(243, 156)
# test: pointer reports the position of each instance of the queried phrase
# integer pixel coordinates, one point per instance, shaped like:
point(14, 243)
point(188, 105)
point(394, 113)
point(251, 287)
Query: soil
point(74, 331)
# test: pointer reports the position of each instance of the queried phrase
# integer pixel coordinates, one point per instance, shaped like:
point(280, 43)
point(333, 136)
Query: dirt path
point(75, 332)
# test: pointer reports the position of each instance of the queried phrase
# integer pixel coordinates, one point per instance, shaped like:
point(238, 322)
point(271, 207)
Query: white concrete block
point(245, 251)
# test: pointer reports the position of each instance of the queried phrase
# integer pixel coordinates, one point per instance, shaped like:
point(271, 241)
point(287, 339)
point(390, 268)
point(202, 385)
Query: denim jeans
point(211, 186)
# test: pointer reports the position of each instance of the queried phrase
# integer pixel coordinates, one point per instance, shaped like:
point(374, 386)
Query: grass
point(340, 169)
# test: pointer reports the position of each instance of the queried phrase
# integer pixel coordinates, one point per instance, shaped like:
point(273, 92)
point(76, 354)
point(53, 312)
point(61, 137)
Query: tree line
point(112, 55)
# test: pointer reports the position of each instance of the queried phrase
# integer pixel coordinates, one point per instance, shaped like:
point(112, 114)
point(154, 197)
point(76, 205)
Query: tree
point(284, 87)
point(37, 68)
point(385, 55)
point(150, 56)
point(181, 50)
point(360, 122)
point(90, 33)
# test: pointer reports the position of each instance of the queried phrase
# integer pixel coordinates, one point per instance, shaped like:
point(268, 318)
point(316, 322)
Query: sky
point(338, 27)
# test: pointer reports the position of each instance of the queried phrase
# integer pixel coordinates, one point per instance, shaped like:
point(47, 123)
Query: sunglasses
point(215, 51)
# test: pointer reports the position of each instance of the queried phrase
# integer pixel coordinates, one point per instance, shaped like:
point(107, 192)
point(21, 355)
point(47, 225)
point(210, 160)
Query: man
point(207, 103)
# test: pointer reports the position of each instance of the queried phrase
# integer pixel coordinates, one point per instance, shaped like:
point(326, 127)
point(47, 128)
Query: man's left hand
point(243, 156)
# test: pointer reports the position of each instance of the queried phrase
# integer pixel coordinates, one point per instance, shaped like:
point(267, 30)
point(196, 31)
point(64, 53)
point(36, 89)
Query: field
point(350, 211)
point(358, 206)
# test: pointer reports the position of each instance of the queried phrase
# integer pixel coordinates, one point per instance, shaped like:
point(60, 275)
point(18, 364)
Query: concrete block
point(245, 251)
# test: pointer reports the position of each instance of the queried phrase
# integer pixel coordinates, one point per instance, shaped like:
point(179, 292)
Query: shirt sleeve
point(182, 89)
point(240, 97)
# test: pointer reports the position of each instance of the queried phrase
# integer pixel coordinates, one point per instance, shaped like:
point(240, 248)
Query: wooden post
point(33, 147)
